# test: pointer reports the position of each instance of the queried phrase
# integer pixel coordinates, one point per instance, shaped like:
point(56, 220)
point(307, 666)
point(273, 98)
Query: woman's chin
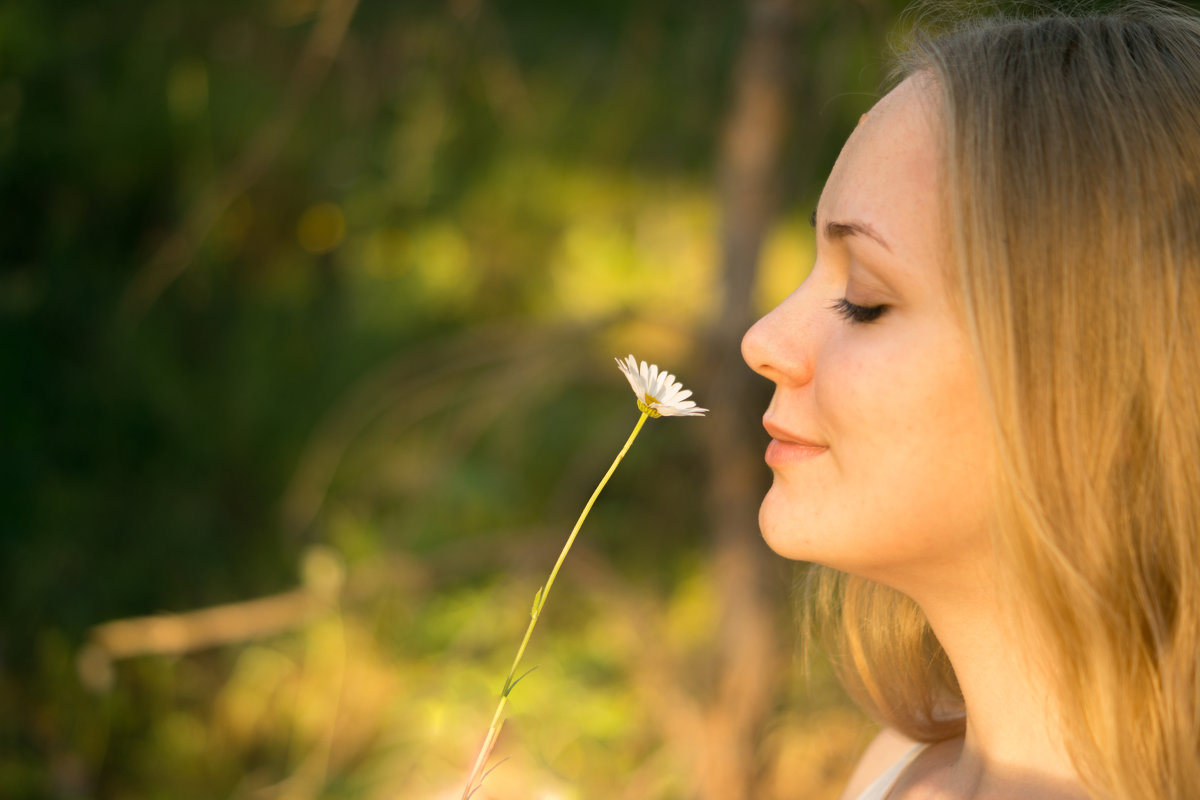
point(777, 520)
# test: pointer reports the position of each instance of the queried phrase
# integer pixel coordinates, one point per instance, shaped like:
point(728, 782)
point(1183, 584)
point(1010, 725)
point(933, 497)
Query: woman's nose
point(781, 345)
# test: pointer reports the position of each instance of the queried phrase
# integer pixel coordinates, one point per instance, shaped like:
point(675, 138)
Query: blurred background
point(308, 311)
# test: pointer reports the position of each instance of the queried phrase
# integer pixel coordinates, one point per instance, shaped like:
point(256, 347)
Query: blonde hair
point(1072, 166)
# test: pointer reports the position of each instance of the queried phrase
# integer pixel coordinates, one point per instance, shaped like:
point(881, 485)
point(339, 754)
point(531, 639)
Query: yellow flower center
point(645, 405)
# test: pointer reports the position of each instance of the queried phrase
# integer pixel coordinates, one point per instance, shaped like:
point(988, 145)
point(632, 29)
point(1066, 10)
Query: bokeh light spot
point(321, 228)
point(187, 89)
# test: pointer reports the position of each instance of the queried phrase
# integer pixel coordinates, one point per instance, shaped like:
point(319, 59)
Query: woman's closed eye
point(857, 314)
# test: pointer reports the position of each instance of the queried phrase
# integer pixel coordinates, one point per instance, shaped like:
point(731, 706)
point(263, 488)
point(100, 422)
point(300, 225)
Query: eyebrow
point(841, 230)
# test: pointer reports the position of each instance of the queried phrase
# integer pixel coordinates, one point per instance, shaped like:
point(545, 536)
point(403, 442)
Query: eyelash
point(857, 315)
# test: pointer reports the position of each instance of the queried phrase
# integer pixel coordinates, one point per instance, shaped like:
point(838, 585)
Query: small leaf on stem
point(509, 686)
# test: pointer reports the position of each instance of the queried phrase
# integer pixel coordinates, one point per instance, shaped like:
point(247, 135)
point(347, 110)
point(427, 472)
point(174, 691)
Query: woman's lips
point(780, 452)
point(789, 448)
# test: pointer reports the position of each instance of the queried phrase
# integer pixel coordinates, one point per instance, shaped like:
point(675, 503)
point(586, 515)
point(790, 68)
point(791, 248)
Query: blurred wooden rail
point(230, 623)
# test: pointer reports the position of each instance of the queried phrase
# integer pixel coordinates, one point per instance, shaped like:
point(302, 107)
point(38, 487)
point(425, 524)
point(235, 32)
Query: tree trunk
point(749, 660)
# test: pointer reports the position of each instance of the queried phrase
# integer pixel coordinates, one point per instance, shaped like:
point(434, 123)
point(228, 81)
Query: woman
point(986, 423)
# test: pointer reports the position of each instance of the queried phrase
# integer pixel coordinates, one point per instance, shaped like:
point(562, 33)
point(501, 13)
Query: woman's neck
point(1011, 747)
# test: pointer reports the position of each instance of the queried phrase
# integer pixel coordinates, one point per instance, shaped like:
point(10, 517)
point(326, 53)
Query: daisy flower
point(658, 393)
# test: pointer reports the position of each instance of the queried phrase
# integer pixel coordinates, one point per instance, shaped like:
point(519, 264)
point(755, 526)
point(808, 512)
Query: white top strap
point(881, 786)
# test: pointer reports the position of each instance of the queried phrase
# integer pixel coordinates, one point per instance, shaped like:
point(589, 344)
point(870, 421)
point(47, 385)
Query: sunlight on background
point(312, 305)
point(787, 258)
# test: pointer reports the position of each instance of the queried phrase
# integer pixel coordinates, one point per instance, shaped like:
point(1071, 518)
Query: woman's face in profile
point(880, 447)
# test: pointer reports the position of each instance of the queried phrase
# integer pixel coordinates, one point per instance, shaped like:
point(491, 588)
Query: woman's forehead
point(888, 173)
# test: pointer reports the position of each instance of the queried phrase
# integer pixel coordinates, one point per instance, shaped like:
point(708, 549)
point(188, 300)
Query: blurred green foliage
point(393, 341)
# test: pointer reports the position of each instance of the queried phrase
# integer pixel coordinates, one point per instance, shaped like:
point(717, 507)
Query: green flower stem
point(539, 601)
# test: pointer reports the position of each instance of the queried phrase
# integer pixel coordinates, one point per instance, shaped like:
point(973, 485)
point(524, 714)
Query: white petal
point(687, 408)
point(630, 376)
point(670, 393)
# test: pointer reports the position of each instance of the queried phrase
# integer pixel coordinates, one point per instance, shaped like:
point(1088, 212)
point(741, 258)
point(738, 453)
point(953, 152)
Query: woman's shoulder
point(887, 748)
